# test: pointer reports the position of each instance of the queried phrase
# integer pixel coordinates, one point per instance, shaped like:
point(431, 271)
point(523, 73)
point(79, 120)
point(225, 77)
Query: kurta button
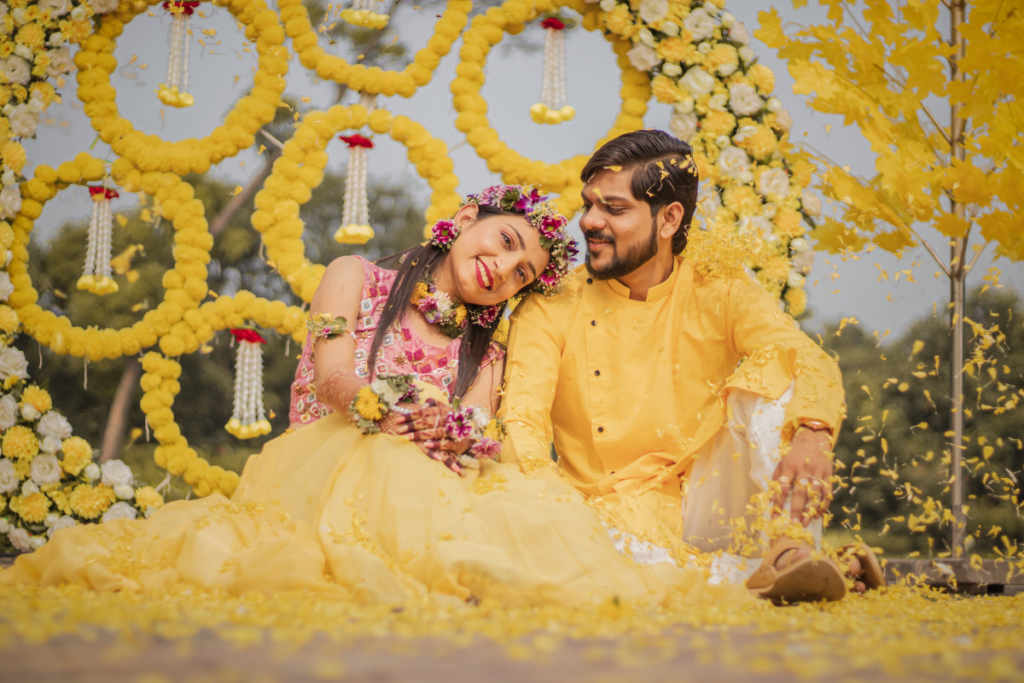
point(600, 429)
point(593, 323)
point(590, 280)
point(597, 373)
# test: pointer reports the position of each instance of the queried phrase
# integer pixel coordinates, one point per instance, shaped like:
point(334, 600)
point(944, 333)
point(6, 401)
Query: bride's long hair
point(413, 266)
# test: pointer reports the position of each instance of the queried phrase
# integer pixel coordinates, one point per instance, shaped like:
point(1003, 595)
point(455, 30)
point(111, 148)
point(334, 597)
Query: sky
point(864, 287)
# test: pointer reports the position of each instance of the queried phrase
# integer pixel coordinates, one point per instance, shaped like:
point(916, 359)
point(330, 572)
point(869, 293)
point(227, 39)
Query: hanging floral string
point(174, 93)
point(360, 14)
point(96, 274)
point(248, 419)
point(553, 107)
point(355, 219)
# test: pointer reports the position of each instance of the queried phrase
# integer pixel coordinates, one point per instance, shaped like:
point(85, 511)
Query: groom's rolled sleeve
point(778, 353)
point(531, 375)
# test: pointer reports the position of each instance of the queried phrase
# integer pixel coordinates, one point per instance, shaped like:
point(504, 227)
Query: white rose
point(607, 5)
point(116, 473)
point(16, 69)
point(795, 279)
point(653, 11)
point(25, 52)
point(3, 10)
point(91, 472)
point(733, 161)
point(700, 24)
point(727, 69)
point(723, 141)
point(643, 58)
point(698, 81)
point(124, 492)
point(738, 34)
point(60, 62)
point(8, 412)
point(671, 69)
point(682, 125)
point(670, 28)
point(121, 510)
point(811, 203)
point(9, 480)
point(54, 424)
point(646, 37)
point(24, 122)
point(51, 519)
point(50, 444)
point(747, 54)
point(29, 488)
point(45, 470)
point(803, 261)
point(12, 362)
point(744, 100)
point(10, 205)
point(784, 120)
point(709, 199)
point(20, 539)
point(103, 6)
point(37, 542)
point(773, 181)
point(57, 8)
point(65, 522)
point(29, 412)
point(759, 225)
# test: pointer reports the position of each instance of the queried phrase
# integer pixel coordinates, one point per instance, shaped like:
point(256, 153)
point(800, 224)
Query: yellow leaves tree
point(936, 88)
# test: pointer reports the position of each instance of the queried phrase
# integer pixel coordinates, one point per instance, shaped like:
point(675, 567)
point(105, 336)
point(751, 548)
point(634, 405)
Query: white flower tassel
point(355, 218)
point(553, 108)
point(360, 14)
point(96, 275)
point(248, 419)
point(174, 93)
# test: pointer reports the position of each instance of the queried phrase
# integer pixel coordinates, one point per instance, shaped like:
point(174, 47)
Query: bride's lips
point(483, 275)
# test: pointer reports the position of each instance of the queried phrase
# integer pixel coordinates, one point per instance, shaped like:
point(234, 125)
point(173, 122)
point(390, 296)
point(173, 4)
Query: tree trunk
point(246, 195)
point(957, 277)
point(117, 418)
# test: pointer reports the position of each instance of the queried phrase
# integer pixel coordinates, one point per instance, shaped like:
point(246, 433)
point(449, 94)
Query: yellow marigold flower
point(32, 34)
point(742, 200)
point(619, 21)
point(45, 91)
point(6, 234)
point(492, 430)
point(77, 455)
point(665, 89)
point(797, 300)
point(37, 398)
point(60, 500)
point(368, 404)
point(803, 173)
point(673, 50)
point(788, 222)
point(460, 315)
point(776, 269)
point(721, 54)
point(718, 123)
point(20, 443)
point(762, 77)
point(89, 502)
point(31, 508)
point(419, 292)
point(9, 320)
point(6, 47)
point(148, 497)
point(76, 31)
point(13, 154)
point(760, 142)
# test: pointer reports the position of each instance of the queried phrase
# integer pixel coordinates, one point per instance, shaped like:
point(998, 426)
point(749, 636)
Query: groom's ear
point(670, 217)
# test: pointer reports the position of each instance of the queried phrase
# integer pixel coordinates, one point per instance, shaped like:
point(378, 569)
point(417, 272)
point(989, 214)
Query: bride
point(399, 365)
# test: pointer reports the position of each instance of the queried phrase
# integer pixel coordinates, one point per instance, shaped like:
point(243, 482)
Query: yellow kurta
point(629, 390)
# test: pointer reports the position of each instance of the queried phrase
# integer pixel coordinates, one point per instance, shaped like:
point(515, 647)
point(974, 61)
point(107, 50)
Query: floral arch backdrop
point(692, 55)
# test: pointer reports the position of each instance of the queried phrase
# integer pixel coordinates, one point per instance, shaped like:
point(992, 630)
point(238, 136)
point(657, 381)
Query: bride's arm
point(334, 359)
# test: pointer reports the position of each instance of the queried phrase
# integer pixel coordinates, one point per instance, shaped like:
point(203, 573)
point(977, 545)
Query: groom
point(662, 388)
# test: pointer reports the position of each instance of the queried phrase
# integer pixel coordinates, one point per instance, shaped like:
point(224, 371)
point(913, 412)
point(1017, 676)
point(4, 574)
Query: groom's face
point(619, 228)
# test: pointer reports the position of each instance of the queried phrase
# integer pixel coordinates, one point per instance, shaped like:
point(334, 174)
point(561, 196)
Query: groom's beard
point(625, 263)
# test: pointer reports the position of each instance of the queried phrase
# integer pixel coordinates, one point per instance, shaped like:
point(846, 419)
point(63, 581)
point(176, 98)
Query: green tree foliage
point(894, 448)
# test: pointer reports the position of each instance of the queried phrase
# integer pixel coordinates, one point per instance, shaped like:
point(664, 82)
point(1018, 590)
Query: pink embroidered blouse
point(402, 352)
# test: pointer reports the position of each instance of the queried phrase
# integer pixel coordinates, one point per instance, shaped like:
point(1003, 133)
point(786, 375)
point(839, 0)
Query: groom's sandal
point(806, 580)
point(872, 574)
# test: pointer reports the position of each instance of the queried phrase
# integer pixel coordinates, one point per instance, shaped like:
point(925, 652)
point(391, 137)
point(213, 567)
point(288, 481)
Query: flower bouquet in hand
point(49, 479)
point(381, 397)
point(475, 426)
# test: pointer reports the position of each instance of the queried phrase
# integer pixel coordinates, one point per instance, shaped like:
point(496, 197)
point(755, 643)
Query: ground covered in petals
point(194, 636)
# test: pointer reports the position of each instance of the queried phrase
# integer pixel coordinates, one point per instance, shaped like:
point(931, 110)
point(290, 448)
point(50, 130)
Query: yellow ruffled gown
point(373, 520)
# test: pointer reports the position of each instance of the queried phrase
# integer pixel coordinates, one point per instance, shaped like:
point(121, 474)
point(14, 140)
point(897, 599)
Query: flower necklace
point(440, 309)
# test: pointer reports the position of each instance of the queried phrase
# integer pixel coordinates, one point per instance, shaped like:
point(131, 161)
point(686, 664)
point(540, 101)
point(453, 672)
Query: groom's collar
point(654, 293)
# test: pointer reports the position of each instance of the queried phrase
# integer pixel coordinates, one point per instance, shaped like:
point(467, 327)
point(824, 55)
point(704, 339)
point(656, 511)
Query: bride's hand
point(425, 423)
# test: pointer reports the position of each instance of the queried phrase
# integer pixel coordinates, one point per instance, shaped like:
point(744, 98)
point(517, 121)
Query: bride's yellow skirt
point(373, 520)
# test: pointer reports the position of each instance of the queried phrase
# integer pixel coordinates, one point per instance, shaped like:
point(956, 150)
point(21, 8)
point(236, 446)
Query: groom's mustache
point(598, 237)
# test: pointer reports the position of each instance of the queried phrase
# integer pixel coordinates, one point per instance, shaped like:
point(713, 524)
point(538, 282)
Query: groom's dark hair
point(663, 172)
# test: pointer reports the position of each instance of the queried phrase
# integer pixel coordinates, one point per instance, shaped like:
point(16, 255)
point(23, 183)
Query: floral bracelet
point(476, 424)
point(320, 326)
point(380, 397)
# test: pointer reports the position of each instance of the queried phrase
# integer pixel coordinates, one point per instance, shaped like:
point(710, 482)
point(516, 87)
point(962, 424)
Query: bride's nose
point(503, 268)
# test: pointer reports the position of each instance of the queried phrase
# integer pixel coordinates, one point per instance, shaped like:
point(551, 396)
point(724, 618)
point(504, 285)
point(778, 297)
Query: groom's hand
point(806, 471)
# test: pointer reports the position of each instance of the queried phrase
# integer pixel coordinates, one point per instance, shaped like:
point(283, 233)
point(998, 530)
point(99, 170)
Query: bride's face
point(494, 257)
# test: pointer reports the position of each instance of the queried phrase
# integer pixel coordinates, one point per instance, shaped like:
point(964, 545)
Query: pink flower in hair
point(444, 233)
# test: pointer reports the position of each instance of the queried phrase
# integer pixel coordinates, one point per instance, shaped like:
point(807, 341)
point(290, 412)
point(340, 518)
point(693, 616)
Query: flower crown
point(540, 213)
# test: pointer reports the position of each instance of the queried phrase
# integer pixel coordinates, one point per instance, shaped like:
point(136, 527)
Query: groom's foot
point(852, 568)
